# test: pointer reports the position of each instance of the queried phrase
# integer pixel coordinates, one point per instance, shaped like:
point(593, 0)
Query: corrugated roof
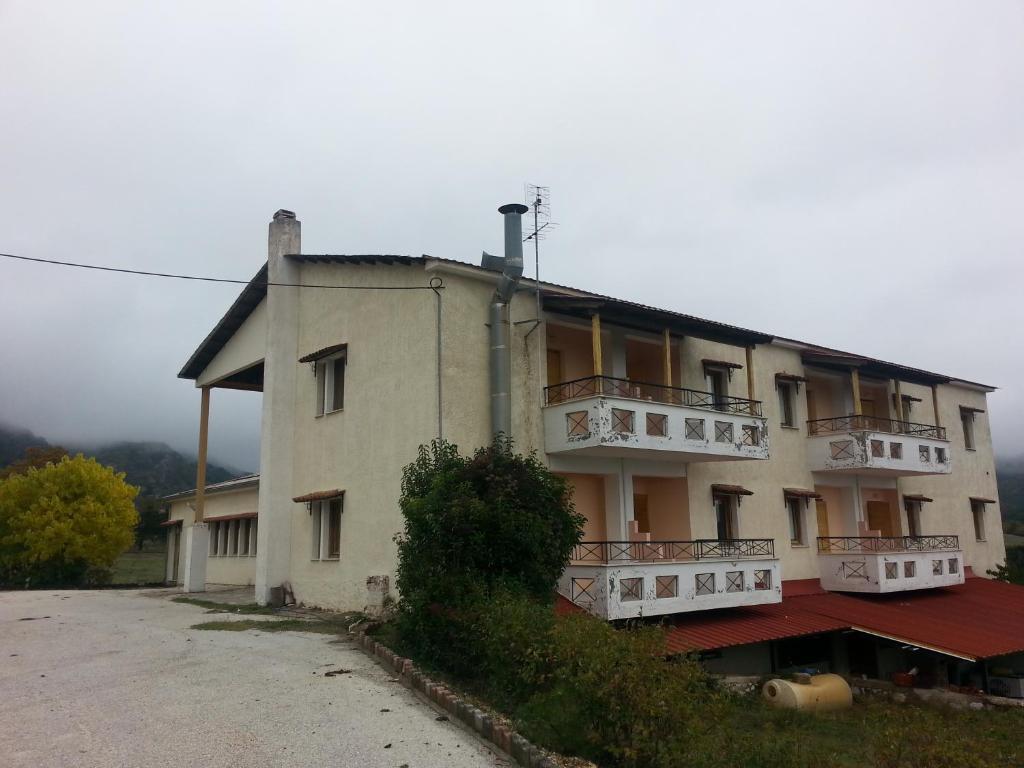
point(226, 485)
point(727, 627)
point(978, 619)
point(554, 295)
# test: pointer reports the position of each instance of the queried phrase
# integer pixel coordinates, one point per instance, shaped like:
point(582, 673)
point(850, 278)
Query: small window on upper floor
point(787, 411)
point(967, 420)
point(330, 383)
point(978, 513)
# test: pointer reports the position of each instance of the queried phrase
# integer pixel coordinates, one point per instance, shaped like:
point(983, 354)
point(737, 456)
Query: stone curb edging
point(501, 736)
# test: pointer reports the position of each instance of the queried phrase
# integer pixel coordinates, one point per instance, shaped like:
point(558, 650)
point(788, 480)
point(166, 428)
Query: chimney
point(511, 266)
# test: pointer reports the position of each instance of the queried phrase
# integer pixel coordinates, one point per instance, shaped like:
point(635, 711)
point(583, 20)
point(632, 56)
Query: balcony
point(630, 579)
point(881, 564)
point(605, 416)
point(869, 445)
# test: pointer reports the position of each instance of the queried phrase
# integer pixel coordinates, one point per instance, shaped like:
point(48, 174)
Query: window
point(762, 580)
point(244, 533)
point(924, 453)
point(787, 415)
point(940, 455)
point(895, 450)
point(913, 517)
point(909, 569)
point(967, 420)
point(717, 382)
point(666, 586)
point(936, 567)
point(734, 581)
point(751, 435)
point(723, 432)
point(326, 529)
point(954, 565)
point(892, 570)
point(704, 583)
point(978, 513)
point(695, 429)
point(631, 589)
point(878, 449)
point(657, 424)
point(330, 384)
point(795, 507)
point(725, 516)
point(578, 423)
point(213, 538)
point(622, 421)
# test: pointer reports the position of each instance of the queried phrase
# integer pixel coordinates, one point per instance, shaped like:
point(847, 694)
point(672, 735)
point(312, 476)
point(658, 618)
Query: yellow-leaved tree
point(64, 523)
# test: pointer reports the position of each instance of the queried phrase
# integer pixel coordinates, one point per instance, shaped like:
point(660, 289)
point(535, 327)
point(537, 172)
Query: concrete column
point(280, 378)
point(196, 541)
point(204, 431)
point(614, 519)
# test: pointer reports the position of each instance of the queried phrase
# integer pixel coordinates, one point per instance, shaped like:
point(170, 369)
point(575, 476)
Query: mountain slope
point(156, 468)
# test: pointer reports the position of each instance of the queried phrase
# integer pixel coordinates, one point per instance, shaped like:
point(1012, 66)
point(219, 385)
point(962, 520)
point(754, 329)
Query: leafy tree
point(151, 516)
point(1013, 569)
point(65, 523)
point(35, 457)
point(474, 525)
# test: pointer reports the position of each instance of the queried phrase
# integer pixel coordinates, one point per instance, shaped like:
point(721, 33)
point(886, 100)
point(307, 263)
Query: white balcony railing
point(622, 580)
point(878, 564)
point(602, 416)
point(874, 446)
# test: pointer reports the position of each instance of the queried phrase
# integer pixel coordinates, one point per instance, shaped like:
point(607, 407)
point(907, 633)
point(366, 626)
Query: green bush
point(475, 526)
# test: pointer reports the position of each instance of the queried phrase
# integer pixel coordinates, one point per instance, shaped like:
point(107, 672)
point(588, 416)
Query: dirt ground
point(118, 678)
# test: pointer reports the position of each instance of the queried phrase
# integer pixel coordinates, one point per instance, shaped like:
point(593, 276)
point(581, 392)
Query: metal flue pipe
point(500, 326)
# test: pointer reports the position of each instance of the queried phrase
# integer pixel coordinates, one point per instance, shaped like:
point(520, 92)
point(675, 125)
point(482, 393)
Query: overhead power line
point(435, 282)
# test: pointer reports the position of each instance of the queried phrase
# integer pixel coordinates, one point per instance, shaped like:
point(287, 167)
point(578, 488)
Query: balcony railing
point(873, 424)
point(597, 386)
point(669, 551)
point(833, 544)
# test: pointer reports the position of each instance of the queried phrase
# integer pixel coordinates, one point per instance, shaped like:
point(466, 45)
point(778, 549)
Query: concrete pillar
point(204, 432)
point(196, 541)
point(614, 520)
point(280, 373)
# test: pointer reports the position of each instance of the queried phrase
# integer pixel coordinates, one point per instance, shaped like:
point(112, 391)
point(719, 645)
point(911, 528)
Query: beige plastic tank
point(821, 693)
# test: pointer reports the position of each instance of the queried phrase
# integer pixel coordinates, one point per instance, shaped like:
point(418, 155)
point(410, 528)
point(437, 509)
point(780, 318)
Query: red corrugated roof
point(740, 626)
point(979, 619)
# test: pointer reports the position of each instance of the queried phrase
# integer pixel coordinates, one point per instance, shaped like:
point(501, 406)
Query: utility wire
point(431, 287)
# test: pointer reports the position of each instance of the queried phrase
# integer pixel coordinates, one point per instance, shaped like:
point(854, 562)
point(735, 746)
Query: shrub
point(475, 526)
point(64, 524)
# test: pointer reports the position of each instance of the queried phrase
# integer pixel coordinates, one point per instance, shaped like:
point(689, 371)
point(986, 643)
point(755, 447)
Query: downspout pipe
point(498, 316)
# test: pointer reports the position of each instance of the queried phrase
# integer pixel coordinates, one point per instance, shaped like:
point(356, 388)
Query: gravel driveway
point(117, 678)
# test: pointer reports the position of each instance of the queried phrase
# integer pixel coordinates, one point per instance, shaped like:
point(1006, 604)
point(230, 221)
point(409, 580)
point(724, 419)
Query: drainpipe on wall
point(511, 266)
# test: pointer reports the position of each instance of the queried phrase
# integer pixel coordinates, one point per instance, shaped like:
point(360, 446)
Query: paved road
point(117, 678)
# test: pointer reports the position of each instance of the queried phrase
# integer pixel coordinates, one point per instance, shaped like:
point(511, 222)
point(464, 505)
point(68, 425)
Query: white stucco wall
point(229, 569)
point(245, 348)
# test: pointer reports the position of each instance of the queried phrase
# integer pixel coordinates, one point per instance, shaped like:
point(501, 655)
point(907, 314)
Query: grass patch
point(139, 568)
point(214, 607)
point(333, 624)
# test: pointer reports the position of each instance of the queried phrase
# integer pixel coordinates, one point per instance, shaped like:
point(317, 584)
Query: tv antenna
point(538, 199)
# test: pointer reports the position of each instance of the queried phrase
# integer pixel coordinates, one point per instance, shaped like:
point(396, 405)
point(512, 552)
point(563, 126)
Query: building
point(720, 469)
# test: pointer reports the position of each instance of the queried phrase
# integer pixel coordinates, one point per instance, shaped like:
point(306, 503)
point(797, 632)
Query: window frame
point(978, 510)
point(967, 424)
point(326, 536)
point(787, 404)
point(795, 508)
point(326, 379)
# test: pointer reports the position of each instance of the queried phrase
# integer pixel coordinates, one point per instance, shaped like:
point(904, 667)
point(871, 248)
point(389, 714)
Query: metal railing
point(855, 423)
point(669, 551)
point(597, 386)
point(888, 543)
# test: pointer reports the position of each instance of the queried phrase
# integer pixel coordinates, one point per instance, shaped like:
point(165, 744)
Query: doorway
point(641, 514)
point(716, 382)
point(821, 508)
point(880, 518)
point(554, 367)
point(175, 549)
point(725, 516)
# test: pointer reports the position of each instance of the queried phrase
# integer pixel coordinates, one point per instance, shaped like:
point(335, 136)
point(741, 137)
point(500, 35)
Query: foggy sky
point(850, 174)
